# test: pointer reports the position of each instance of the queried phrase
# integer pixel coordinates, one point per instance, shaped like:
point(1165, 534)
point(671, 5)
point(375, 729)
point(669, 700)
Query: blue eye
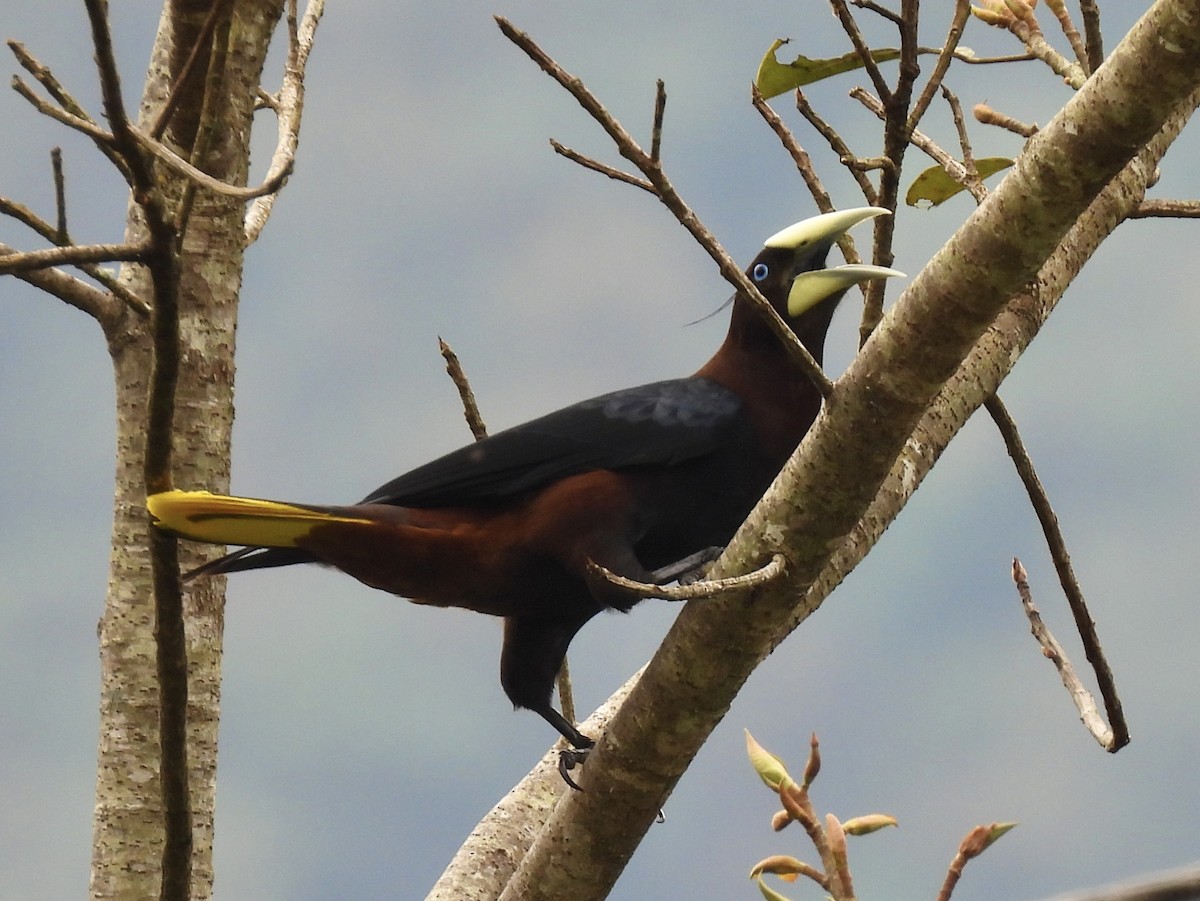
point(760, 272)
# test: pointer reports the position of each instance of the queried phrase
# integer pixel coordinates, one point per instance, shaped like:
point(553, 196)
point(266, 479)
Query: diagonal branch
point(289, 107)
point(1054, 652)
point(825, 489)
point(164, 153)
point(1118, 736)
point(665, 191)
point(68, 289)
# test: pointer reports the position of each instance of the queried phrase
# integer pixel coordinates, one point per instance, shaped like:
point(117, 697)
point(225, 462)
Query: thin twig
point(1090, 12)
point(837, 145)
point(962, 9)
point(660, 108)
point(466, 395)
point(1180, 209)
point(972, 60)
point(697, 590)
point(1056, 654)
point(73, 255)
point(798, 154)
point(80, 124)
point(670, 198)
point(183, 167)
point(960, 126)
point(882, 11)
point(289, 106)
point(850, 26)
point(175, 94)
point(25, 215)
point(1119, 736)
point(60, 197)
point(1071, 33)
point(926, 144)
point(603, 168)
point(68, 289)
point(988, 116)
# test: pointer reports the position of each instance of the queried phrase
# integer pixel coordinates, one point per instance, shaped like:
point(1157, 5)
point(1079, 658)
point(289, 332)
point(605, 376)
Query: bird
point(649, 482)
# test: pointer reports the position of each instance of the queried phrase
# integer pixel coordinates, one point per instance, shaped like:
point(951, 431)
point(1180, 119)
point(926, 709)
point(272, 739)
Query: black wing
point(662, 423)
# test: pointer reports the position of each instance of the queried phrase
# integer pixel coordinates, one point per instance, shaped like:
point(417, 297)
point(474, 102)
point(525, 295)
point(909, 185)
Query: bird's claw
point(568, 759)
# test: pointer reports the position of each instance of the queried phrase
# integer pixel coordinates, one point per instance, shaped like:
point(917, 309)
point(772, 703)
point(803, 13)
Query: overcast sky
point(362, 737)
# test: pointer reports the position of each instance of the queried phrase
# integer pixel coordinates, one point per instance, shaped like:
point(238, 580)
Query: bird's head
point(790, 270)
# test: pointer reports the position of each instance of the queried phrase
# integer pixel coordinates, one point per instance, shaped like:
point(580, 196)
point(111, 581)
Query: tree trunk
point(210, 127)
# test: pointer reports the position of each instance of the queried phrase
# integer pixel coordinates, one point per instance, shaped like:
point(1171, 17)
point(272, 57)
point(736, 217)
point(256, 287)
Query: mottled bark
point(211, 127)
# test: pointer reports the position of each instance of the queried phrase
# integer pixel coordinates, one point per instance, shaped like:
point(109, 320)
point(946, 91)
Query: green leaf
point(775, 78)
point(934, 186)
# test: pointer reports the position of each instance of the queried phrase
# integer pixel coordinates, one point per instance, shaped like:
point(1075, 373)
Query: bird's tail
point(218, 519)
point(270, 529)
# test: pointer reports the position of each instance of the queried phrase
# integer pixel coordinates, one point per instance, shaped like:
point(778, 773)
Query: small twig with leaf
point(828, 836)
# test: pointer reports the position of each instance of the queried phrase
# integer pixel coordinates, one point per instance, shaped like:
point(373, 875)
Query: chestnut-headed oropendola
point(649, 482)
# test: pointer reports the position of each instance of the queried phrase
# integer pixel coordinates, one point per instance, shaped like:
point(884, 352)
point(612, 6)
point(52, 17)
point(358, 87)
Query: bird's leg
point(532, 656)
point(691, 568)
point(581, 745)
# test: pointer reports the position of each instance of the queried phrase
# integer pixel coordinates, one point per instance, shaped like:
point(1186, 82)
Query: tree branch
point(289, 107)
point(68, 289)
point(74, 254)
point(1054, 652)
point(1118, 736)
point(824, 491)
point(665, 191)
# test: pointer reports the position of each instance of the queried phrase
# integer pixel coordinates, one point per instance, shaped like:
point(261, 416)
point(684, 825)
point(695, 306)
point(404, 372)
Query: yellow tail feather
point(215, 518)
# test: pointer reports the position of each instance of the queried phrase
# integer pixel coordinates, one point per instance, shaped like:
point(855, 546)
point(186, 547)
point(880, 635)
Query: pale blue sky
point(363, 737)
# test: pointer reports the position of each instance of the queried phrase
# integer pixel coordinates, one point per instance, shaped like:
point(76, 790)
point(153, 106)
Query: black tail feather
point(251, 558)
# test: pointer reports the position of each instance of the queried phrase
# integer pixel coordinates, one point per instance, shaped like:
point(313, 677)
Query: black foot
point(568, 759)
point(688, 570)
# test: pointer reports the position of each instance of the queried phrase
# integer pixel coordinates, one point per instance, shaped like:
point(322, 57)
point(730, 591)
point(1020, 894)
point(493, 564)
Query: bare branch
point(289, 105)
point(1090, 12)
point(850, 26)
point(1059, 8)
point(80, 124)
point(962, 9)
point(1119, 736)
point(879, 10)
point(960, 126)
point(837, 145)
point(972, 60)
point(666, 193)
point(603, 168)
point(1054, 652)
point(923, 142)
point(185, 71)
point(660, 108)
point(1180, 209)
point(705, 589)
point(799, 156)
point(68, 289)
point(273, 182)
point(988, 116)
point(74, 254)
point(459, 377)
point(60, 197)
point(25, 215)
